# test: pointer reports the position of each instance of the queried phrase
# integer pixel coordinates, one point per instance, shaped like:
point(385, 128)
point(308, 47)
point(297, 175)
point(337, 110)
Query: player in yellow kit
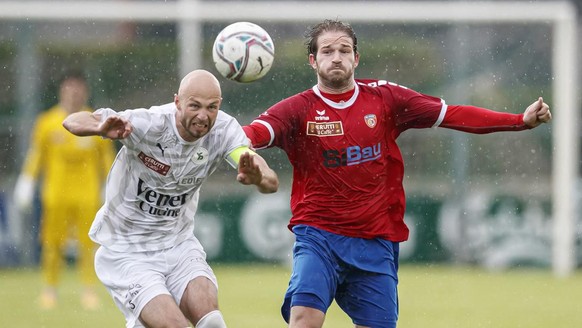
point(71, 171)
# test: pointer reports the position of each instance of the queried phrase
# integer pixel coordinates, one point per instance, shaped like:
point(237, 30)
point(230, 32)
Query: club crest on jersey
point(200, 156)
point(153, 164)
point(325, 129)
point(370, 120)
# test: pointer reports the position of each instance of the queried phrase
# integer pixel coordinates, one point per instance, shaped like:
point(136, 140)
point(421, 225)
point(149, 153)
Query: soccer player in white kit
point(149, 259)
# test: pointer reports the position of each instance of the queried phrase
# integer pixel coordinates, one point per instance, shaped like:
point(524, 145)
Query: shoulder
point(295, 103)
point(225, 122)
point(374, 85)
point(387, 89)
point(51, 112)
point(161, 110)
point(224, 117)
point(155, 115)
point(52, 116)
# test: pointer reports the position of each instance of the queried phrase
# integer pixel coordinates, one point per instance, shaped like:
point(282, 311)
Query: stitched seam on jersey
point(441, 115)
point(271, 132)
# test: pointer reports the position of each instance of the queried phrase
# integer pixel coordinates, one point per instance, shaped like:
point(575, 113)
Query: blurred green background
point(479, 207)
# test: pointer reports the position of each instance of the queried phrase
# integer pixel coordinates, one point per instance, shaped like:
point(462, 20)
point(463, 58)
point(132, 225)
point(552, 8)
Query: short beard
point(336, 83)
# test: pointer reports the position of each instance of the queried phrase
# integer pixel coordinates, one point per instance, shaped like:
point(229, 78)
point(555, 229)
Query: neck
point(333, 88)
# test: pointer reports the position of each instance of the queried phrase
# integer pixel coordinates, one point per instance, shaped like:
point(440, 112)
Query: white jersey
point(153, 186)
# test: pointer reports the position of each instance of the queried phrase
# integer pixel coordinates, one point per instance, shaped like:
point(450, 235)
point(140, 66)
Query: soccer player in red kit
point(347, 198)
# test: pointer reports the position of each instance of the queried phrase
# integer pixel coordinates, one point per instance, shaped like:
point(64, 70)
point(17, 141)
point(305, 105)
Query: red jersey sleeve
point(277, 125)
point(481, 120)
point(412, 109)
point(258, 134)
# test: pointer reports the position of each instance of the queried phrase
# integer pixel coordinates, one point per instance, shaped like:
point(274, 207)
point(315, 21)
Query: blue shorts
point(361, 274)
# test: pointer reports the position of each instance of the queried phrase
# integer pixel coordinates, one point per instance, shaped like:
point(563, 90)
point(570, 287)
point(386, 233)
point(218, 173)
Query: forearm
point(269, 182)
point(254, 170)
point(82, 124)
point(480, 120)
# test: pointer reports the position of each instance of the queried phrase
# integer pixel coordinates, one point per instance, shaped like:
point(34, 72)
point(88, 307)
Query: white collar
point(342, 104)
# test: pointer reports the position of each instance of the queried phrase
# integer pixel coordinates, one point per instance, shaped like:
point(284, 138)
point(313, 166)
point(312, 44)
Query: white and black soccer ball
point(243, 52)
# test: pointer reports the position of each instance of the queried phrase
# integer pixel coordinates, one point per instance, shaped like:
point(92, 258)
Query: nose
point(205, 113)
point(336, 57)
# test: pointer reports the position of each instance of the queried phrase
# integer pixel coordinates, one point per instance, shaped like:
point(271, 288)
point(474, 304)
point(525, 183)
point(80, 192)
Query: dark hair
point(73, 74)
point(328, 25)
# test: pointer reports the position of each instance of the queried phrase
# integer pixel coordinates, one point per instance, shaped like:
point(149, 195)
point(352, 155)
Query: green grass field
point(250, 296)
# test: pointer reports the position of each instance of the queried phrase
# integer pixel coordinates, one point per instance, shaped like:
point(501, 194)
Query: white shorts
point(133, 279)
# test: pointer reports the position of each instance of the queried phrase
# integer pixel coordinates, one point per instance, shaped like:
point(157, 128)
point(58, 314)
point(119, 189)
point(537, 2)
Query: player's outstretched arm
point(253, 169)
point(87, 124)
point(537, 113)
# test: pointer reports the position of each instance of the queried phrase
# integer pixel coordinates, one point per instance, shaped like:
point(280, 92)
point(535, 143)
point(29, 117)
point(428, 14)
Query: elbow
point(67, 125)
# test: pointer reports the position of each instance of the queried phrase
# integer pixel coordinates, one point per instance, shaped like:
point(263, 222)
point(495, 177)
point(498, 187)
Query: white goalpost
point(561, 15)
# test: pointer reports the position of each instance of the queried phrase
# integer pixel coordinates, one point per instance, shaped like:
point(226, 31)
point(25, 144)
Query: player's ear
point(312, 61)
point(177, 101)
point(356, 59)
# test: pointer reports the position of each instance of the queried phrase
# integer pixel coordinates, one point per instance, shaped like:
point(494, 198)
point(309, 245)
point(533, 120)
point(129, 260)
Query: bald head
point(200, 83)
point(197, 104)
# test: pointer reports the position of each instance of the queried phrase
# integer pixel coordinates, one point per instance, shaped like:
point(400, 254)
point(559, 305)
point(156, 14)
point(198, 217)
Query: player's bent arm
point(269, 181)
point(84, 124)
point(253, 169)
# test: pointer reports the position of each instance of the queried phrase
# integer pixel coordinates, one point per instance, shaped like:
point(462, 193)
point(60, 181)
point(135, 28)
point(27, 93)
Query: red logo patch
point(153, 164)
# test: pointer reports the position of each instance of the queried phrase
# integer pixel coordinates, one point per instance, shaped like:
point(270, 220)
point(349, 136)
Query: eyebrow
point(335, 41)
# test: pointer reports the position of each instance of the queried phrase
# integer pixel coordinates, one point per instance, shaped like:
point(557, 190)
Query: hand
point(249, 171)
point(24, 192)
point(115, 127)
point(537, 113)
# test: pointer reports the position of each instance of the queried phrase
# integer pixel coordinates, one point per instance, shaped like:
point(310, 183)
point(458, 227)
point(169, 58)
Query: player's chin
point(337, 75)
point(336, 71)
point(198, 132)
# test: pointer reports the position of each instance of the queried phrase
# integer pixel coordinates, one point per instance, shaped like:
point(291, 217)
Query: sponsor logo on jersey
point(162, 148)
point(200, 156)
point(351, 155)
point(153, 164)
point(321, 115)
point(326, 129)
point(190, 180)
point(132, 292)
point(370, 120)
point(159, 204)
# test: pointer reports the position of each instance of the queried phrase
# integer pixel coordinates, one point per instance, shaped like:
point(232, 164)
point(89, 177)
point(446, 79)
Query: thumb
point(536, 106)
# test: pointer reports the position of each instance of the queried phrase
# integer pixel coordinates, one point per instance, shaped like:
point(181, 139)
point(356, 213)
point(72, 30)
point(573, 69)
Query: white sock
point(212, 319)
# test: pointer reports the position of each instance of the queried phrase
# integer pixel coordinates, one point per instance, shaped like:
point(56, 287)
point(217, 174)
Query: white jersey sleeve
point(153, 186)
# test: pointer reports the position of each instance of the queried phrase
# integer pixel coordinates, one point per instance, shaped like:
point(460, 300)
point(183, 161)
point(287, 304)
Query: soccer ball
point(243, 52)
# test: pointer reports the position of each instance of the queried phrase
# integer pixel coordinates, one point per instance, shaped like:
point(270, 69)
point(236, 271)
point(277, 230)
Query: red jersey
point(347, 167)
